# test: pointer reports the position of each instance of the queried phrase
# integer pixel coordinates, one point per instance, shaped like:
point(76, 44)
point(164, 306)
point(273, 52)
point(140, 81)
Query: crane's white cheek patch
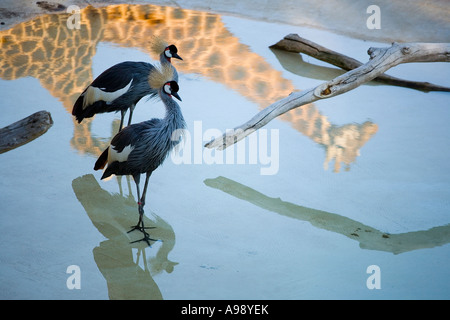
point(114, 155)
point(167, 89)
point(94, 94)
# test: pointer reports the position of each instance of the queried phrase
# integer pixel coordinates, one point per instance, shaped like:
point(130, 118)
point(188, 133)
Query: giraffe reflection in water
point(61, 59)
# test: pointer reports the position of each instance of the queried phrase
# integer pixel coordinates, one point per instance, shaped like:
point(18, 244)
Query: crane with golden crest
point(120, 87)
point(143, 147)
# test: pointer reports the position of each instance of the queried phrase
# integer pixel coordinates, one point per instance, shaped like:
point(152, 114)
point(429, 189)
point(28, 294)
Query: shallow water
point(358, 180)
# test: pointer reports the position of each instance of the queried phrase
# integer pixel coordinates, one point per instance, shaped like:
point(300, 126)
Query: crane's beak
point(175, 94)
point(175, 55)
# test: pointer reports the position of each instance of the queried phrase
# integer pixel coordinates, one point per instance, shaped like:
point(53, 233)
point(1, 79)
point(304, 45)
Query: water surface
point(363, 179)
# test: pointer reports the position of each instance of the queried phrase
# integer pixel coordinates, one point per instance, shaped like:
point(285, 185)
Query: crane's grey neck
point(173, 117)
point(163, 60)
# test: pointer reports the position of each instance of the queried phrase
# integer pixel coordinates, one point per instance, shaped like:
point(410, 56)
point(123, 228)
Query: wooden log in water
point(25, 130)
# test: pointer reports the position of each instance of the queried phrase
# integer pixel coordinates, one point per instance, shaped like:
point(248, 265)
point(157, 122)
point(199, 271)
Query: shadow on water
point(368, 237)
point(112, 215)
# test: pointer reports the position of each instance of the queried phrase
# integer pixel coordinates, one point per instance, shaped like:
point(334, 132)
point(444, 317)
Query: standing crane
point(120, 87)
point(142, 147)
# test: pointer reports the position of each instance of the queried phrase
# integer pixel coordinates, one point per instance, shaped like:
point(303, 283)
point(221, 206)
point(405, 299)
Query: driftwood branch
point(24, 131)
point(381, 59)
point(297, 44)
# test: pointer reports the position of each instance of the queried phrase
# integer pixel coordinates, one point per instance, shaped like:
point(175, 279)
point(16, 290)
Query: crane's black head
point(171, 52)
point(171, 88)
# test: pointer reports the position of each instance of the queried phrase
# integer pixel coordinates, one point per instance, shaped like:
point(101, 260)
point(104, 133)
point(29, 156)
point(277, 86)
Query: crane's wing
point(115, 78)
point(108, 86)
point(122, 145)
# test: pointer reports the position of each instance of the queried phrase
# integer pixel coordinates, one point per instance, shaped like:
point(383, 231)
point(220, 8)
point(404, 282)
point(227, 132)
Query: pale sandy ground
point(404, 21)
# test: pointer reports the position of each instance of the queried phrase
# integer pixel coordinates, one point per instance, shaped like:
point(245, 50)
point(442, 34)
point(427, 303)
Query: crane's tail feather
point(77, 110)
point(89, 111)
point(102, 160)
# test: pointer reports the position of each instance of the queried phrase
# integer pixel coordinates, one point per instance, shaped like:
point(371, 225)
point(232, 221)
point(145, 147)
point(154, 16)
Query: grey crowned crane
point(120, 87)
point(142, 147)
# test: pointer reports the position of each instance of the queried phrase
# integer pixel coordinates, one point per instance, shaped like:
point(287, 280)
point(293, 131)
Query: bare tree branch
point(381, 59)
point(297, 44)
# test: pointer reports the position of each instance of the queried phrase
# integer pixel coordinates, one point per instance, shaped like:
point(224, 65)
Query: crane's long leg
point(122, 116)
point(147, 177)
point(119, 182)
point(140, 225)
point(137, 179)
point(131, 113)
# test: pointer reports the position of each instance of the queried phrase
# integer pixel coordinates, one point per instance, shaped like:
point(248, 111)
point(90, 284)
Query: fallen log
point(381, 59)
point(297, 44)
point(25, 130)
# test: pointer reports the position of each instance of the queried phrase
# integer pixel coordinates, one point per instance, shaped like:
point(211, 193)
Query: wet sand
point(401, 21)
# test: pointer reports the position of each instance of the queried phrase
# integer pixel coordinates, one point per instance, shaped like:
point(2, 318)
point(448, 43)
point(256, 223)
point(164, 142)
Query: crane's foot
point(141, 228)
point(146, 238)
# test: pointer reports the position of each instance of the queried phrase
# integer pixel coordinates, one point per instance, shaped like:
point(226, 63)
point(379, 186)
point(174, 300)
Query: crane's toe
point(146, 238)
point(141, 228)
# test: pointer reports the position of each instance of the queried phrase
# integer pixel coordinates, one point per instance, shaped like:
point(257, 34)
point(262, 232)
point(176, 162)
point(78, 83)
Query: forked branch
point(381, 59)
point(297, 44)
